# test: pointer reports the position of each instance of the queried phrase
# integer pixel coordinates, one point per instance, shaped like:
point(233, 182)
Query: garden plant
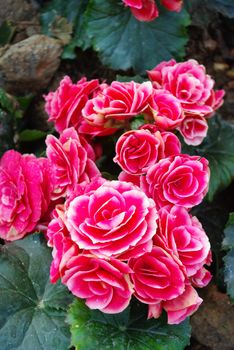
point(116, 175)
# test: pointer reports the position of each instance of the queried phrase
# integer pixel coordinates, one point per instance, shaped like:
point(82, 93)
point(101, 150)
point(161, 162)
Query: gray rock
point(17, 10)
point(29, 65)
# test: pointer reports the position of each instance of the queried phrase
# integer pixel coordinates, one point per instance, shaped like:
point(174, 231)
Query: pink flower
point(63, 247)
point(202, 278)
point(23, 199)
point(65, 104)
point(156, 75)
point(143, 10)
point(172, 145)
point(102, 129)
point(178, 180)
point(104, 284)
point(134, 179)
point(188, 82)
point(166, 110)
point(72, 160)
point(193, 129)
point(183, 234)
point(137, 150)
point(182, 306)
point(117, 103)
point(215, 101)
point(173, 5)
point(115, 219)
point(157, 276)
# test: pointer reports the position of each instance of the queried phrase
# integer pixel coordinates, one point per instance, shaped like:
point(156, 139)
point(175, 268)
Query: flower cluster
point(147, 10)
point(134, 236)
point(178, 96)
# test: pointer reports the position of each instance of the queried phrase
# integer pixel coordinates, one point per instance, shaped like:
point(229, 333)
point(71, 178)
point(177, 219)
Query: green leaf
point(228, 241)
point(29, 135)
point(6, 33)
point(73, 11)
point(226, 7)
point(32, 310)
point(124, 42)
point(137, 122)
point(8, 113)
point(229, 273)
point(218, 148)
point(126, 78)
point(92, 329)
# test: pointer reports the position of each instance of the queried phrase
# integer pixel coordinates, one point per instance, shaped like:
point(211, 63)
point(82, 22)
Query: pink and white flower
point(23, 199)
point(65, 104)
point(183, 234)
point(193, 129)
point(103, 283)
point(178, 180)
point(188, 82)
point(157, 276)
point(116, 219)
point(72, 162)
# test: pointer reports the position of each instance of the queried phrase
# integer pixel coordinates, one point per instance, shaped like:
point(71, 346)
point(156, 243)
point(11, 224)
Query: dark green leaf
point(226, 7)
point(137, 122)
point(32, 311)
point(73, 11)
point(29, 135)
point(125, 78)
point(218, 148)
point(6, 33)
point(92, 329)
point(8, 112)
point(124, 42)
point(228, 241)
point(229, 273)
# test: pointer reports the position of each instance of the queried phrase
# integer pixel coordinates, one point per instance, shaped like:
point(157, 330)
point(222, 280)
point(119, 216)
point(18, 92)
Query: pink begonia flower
point(193, 129)
point(183, 234)
point(104, 128)
point(189, 83)
point(215, 101)
point(137, 150)
point(63, 247)
point(172, 5)
point(172, 145)
point(143, 10)
point(155, 310)
point(117, 219)
point(25, 190)
point(103, 283)
point(182, 306)
point(166, 109)
point(201, 279)
point(157, 276)
point(178, 180)
point(72, 162)
point(156, 75)
point(65, 104)
point(134, 179)
point(119, 101)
